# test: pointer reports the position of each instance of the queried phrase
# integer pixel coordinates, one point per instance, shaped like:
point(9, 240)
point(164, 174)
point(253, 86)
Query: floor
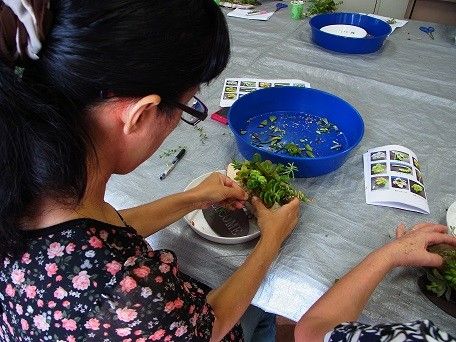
point(285, 328)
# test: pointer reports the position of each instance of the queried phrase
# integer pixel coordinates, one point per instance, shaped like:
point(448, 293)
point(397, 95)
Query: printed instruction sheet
point(393, 178)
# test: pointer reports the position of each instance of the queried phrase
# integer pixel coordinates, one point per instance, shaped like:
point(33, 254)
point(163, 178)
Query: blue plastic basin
point(296, 111)
point(376, 29)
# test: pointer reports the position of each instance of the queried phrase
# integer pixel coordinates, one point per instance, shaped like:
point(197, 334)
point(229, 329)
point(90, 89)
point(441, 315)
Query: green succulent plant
point(378, 168)
point(322, 6)
point(442, 280)
point(268, 181)
point(417, 188)
point(381, 181)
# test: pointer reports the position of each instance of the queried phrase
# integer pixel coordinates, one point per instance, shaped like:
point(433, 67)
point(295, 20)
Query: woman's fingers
point(234, 191)
point(430, 227)
point(400, 230)
point(438, 237)
point(232, 205)
point(433, 260)
point(293, 205)
point(420, 227)
point(258, 205)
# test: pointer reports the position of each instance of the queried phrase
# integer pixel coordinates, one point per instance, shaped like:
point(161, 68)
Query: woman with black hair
point(100, 85)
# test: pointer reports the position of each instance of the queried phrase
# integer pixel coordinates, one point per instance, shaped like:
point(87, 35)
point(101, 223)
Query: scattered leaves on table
point(201, 133)
point(171, 152)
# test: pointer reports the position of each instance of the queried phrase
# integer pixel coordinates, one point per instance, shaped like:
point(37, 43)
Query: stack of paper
point(250, 14)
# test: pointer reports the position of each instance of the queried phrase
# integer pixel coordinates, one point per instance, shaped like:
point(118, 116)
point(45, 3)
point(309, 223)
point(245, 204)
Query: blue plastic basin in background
point(291, 106)
point(377, 31)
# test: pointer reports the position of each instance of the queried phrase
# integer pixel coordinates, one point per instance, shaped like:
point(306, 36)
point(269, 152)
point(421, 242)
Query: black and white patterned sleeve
point(415, 331)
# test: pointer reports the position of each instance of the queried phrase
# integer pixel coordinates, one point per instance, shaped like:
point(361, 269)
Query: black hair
point(132, 48)
point(125, 48)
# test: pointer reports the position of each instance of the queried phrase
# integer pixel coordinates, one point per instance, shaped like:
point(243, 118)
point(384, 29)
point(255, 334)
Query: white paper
point(234, 88)
point(393, 178)
point(398, 23)
point(451, 219)
point(244, 14)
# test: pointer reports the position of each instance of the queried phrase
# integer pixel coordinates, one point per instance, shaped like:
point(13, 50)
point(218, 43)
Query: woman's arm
point(347, 298)
point(230, 300)
point(154, 216)
point(151, 217)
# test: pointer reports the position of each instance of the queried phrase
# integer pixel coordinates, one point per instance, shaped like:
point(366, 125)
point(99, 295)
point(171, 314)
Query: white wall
point(392, 8)
point(388, 8)
point(363, 6)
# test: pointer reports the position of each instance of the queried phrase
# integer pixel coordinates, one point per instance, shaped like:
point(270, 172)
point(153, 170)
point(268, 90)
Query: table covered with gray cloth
point(406, 93)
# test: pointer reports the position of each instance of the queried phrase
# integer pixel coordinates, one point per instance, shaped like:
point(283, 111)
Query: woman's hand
point(276, 224)
point(410, 247)
point(220, 189)
point(231, 299)
point(347, 298)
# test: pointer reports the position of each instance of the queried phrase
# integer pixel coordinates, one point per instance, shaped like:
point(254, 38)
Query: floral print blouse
point(87, 280)
point(407, 332)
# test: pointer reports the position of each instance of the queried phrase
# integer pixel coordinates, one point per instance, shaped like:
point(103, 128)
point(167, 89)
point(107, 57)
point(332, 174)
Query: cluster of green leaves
point(275, 140)
point(324, 126)
point(378, 168)
point(268, 181)
point(322, 6)
point(442, 281)
point(400, 155)
point(417, 188)
point(405, 169)
point(294, 149)
point(381, 181)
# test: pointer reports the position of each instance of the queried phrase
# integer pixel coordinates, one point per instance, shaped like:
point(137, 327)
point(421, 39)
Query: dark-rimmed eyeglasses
point(194, 111)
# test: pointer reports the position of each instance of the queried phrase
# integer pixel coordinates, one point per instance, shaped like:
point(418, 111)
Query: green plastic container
point(296, 9)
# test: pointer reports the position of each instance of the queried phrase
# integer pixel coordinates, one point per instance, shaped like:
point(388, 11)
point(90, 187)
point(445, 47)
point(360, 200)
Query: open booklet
point(393, 178)
point(234, 88)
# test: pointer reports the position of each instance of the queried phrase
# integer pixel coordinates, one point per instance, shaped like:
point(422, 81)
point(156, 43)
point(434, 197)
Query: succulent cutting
point(268, 181)
point(442, 280)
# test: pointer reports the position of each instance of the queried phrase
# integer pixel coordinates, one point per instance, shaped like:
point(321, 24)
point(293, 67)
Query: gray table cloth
point(406, 94)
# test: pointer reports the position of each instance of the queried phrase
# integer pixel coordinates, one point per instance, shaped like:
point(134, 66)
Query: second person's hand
point(410, 246)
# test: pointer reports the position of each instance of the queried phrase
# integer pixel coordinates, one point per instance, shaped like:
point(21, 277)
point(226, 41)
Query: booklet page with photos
point(235, 88)
point(393, 178)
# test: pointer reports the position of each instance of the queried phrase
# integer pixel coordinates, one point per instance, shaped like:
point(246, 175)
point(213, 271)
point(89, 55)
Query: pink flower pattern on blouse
point(87, 280)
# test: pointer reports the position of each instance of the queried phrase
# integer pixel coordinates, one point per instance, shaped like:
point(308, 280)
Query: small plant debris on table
point(202, 134)
point(171, 152)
